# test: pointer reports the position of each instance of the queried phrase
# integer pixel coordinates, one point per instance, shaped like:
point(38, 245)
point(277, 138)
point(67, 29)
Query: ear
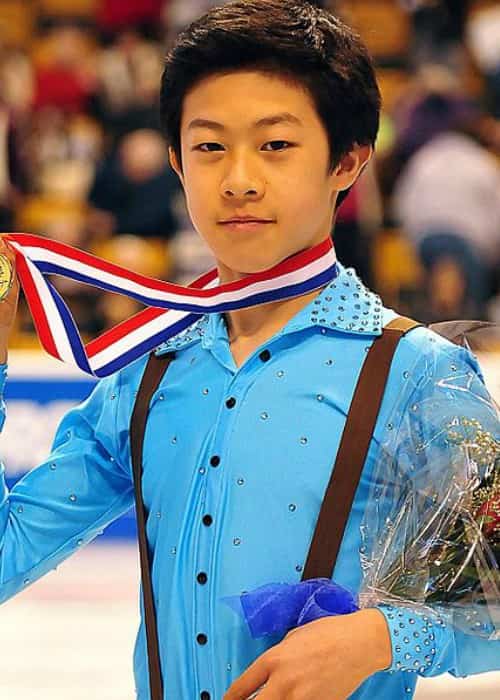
point(350, 167)
point(175, 164)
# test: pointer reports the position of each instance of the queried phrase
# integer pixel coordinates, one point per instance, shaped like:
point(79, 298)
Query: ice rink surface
point(70, 636)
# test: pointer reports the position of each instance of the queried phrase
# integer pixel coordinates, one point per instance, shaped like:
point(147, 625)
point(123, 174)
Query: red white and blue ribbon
point(170, 307)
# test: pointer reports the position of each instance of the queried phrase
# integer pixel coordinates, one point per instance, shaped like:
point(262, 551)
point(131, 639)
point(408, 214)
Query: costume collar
point(344, 305)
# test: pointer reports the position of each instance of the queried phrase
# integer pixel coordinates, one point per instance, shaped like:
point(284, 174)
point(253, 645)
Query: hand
point(8, 307)
point(327, 658)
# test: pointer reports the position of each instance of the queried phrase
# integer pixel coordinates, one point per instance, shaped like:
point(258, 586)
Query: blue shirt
point(233, 488)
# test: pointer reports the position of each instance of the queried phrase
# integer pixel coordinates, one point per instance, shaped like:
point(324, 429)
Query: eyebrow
point(281, 118)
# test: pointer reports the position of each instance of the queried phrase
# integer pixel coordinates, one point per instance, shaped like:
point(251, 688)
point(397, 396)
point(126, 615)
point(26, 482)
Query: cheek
point(198, 200)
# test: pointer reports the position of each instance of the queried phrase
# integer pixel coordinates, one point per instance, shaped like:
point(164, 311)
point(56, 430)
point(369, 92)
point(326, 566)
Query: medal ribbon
point(170, 307)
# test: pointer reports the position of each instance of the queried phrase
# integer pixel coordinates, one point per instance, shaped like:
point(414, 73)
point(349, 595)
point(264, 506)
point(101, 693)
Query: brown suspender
point(155, 369)
point(353, 448)
point(339, 494)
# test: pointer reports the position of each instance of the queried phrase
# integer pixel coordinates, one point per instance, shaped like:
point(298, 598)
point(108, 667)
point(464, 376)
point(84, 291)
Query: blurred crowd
point(83, 159)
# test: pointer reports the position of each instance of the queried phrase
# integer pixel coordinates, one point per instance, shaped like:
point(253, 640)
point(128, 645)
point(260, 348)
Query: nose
point(241, 181)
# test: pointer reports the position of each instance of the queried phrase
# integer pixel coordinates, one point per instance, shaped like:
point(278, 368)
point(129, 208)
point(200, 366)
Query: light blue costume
point(236, 462)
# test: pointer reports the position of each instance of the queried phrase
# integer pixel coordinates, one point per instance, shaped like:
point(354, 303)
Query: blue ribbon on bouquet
point(277, 608)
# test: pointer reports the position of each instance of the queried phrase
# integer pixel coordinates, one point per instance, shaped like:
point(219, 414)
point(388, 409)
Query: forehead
point(240, 99)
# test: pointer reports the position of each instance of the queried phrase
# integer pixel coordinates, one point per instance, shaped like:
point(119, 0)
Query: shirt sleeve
point(67, 500)
point(445, 397)
point(424, 643)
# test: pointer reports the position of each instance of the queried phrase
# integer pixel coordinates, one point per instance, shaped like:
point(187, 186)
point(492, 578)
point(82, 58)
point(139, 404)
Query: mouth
point(245, 224)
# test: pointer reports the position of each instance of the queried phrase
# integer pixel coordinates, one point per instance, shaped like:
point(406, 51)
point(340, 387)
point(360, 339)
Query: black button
point(230, 403)
point(207, 520)
point(215, 461)
point(201, 639)
point(204, 695)
point(202, 577)
point(265, 355)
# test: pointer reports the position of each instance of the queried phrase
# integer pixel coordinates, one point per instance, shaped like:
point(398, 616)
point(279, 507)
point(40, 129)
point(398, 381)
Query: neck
point(266, 319)
point(263, 320)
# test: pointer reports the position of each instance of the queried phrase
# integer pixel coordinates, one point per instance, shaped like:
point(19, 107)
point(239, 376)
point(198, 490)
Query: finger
point(249, 682)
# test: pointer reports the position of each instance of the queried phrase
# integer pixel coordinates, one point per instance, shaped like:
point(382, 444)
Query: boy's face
point(277, 172)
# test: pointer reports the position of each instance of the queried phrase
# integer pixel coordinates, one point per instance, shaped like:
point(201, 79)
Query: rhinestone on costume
point(264, 415)
point(299, 567)
point(292, 507)
point(173, 550)
point(280, 373)
point(20, 509)
point(303, 441)
point(240, 481)
point(72, 498)
point(205, 391)
point(236, 541)
point(320, 397)
point(53, 466)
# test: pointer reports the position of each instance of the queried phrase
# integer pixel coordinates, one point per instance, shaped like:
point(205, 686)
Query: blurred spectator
point(134, 189)
point(115, 16)
point(448, 201)
point(483, 38)
point(438, 29)
point(434, 103)
point(64, 74)
point(127, 92)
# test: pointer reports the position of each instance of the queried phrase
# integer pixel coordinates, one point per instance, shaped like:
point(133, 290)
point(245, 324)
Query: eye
point(278, 142)
point(199, 148)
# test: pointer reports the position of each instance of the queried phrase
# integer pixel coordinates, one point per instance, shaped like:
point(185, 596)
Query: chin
point(250, 265)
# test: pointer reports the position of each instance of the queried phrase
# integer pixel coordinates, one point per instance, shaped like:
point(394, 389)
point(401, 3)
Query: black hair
point(298, 41)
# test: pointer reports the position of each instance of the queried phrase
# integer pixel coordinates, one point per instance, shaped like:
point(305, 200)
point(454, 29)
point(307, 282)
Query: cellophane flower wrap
point(431, 531)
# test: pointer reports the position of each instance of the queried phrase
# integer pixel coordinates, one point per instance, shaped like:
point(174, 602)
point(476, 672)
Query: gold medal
point(6, 276)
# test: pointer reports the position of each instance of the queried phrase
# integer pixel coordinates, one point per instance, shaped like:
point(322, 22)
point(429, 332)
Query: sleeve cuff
point(414, 638)
point(3, 377)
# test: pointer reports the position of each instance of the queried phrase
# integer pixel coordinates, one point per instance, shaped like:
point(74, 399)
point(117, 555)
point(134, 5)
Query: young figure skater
point(271, 112)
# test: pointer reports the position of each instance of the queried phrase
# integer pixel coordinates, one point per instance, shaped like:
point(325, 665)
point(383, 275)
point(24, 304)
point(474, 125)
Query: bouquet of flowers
point(431, 531)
